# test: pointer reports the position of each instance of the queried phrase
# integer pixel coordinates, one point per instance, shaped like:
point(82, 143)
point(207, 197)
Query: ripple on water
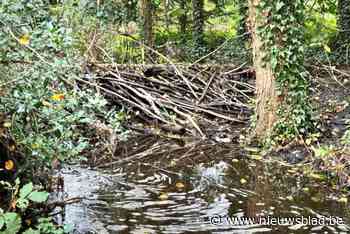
point(132, 203)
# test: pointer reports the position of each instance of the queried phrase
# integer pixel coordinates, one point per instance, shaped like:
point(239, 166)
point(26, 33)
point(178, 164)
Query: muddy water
point(201, 190)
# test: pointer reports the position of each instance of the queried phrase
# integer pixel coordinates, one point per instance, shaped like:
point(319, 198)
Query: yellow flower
point(58, 97)
point(24, 40)
point(9, 165)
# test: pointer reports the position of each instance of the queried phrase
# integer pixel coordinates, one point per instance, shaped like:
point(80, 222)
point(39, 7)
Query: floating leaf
point(179, 185)
point(38, 196)
point(24, 40)
point(163, 196)
point(289, 198)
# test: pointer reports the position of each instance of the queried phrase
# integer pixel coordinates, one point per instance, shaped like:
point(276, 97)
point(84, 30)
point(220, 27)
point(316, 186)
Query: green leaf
point(279, 5)
point(13, 223)
point(22, 203)
point(31, 231)
point(38, 196)
point(326, 48)
point(26, 190)
point(2, 221)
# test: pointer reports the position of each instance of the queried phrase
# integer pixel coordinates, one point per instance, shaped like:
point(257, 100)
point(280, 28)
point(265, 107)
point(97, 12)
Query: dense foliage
point(284, 42)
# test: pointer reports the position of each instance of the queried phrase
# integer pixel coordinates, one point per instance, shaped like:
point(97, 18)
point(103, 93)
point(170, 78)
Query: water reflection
point(147, 199)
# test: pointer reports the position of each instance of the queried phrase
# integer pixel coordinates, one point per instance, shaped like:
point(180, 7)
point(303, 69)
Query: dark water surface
point(212, 188)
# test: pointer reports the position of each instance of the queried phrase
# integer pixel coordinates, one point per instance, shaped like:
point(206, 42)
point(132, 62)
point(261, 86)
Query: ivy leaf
point(31, 231)
point(26, 190)
point(38, 196)
point(13, 223)
point(279, 5)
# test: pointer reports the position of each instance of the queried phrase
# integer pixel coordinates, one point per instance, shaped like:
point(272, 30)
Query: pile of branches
point(189, 92)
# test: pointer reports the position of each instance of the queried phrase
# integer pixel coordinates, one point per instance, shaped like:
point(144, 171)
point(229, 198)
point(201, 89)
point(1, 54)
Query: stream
point(213, 189)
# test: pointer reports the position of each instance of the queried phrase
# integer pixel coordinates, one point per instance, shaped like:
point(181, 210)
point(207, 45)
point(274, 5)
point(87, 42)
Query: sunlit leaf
point(7, 124)
point(57, 97)
point(343, 200)
point(38, 196)
point(31, 231)
point(256, 157)
point(327, 48)
point(13, 222)
point(2, 221)
point(306, 190)
point(243, 181)
point(24, 40)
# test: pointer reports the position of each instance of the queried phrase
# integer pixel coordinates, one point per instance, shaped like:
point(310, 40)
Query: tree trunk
point(344, 20)
point(147, 13)
point(166, 14)
point(266, 96)
point(198, 22)
point(183, 19)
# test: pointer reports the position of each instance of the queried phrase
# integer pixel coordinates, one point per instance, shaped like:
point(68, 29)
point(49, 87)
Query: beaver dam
point(182, 168)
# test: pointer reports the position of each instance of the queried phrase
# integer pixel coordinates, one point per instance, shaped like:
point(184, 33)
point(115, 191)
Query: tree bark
point(147, 13)
point(266, 95)
point(183, 19)
point(198, 22)
point(344, 20)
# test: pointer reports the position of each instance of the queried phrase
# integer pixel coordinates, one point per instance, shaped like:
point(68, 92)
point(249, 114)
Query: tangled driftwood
point(189, 92)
